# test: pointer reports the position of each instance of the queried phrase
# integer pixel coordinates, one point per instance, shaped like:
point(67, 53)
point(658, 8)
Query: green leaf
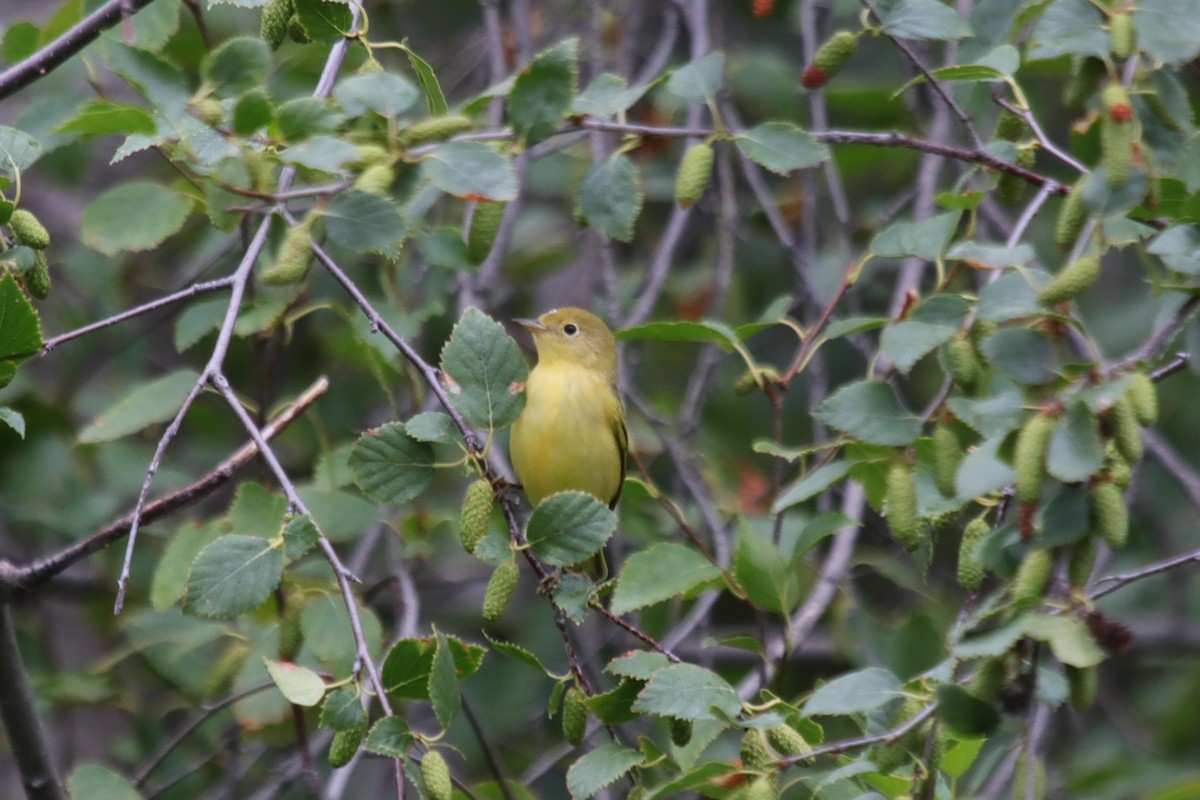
point(990, 256)
point(237, 65)
point(20, 328)
point(433, 426)
point(384, 93)
point(146, 404)
point(871, 412)
point(698, 81)
point(364, 222)
point(154, 25)
point(324, 19)
point(18, 150)
point(992, 643)
point(484, 368)
point(20, 41)
point(472, 171)
point(712, 331)
point(933, 322)
point(811, 484)
point(606, 96)
point(609, 197)
point(325, 623)
point(781, 147)
point(299, 536)
point(1075, 451)
point(231, 576)
point(542, 93)
point(159, 81)
point(1063, 518)
point(854, 692)
point(659, 573)
point(1167, 29)
point(926, 239)
point(102, 117)
point(443, 684)
point(252, 111)
point(325, 153)
point(924, 20)
point(305, 117)
point(637, 664)
point(257, 511)
point(1179, 248)
point(983, 471)
point(1022, 354)
point(341, 516)
point(994, 414)
point(94, 782)
point(1011, 296)
point(300, 685)
point(13, 419)
point(572, 594)
point(132, 217)
point(615, 707)
point(517, 653)
point(342, 710)
point(406, 669)
point(171, 572)
point(964, 714)
point(390, 466)
point(686, 691)
point(599, 768)
point(764, 572)
point(435, 101)
point(1068, 637)
point(1069, 27)
point(389, 737)
point(568, 527)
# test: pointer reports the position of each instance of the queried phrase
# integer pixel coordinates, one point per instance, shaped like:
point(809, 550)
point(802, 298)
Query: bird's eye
point(569, 329)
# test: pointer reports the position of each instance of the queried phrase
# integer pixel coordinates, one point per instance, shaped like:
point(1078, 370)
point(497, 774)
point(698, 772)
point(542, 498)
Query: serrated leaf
point(103, 117)
point(1069, 27)
point(171, 572)
point(18, 150)
point(1179, 248)
point(257, 511)
point(443, 684)
point(1011, 296)
point(408, 664)
point(607, 95)
point(713, 331)
point(384, 93)
point(364, 222)
point(433, 426)
point(252, 111)
point(686, 691)
point(609, 197)
point(993, 642)
point(94, 782)
point(660, 573)
point(926, 239)
point(324, 153)
point(299, 536)
point(132, 217)
point(811, 484)
point(390, 466)
point(543, 91)
point(517, 653)
point(13, 419)
point(1167, 29)
point(435, 101)
point(871, 412)
point(231, 576)
point(765, 574)
point(484, 365)
point(854, 692)
point(1068, 636)
point(327, 633)
point(237, 65)
point(324, 19)
point(599, 768)
point(781, 147)
point(1075, 452)
point(472, 171)
point(615, 707)
point(571, 594)
point(1021, 354)
point(933, 322)
point(924, 20)
point(20, 328)
point(147, 404)
point(160, 81)
point(305, 117)
point(568, 527)
point(637, 664)
point(389, 737)
point(983, 471)
point(299, 684)
point(342, 710)
point(699, 80)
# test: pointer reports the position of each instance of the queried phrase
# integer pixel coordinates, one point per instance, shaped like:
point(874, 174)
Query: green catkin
point(274, 25)
point(1020, 779)
point(1122, 34)
point(37, 277)
point(296, 30)
point(1082, 684)
point(435, 129)
point(436, 775)
point(1071, 216)
point(1116, 145)
point(764, 787)
point(947, 455)
point(1117, 468)
point(1110, 517)
point(1029, 456)
point(485, 222)
point(963, 364)
point(754, 752)
point(28, 230)
point(681, 731)
point(970, 569)
point(345, 744)
point(295, 251)
point(1071, 280)
point(1083, 560)
point(574, 716)
point(1010, 126)
point(989, 679)
point(829, 59)
point(500, 590)
point(1085, 72)
point(787, 741)
point(694, 171)
point(376, 179)
point(475, 515)
point(1143, 398)
point(901, 511)
point(1126, 432)
point(1031, 577)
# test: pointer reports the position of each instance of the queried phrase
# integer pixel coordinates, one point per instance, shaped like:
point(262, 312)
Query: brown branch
point(22, 725)
point(14, 578)
point(1112, 583)
point(79, 36)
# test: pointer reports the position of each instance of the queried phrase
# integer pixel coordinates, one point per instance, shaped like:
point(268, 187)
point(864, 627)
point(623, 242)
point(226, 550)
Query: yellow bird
point(571, 433)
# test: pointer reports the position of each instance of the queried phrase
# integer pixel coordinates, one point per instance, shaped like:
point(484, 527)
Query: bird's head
point(574, 336)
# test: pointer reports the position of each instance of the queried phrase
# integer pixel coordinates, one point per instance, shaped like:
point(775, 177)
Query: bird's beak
point(531, 325)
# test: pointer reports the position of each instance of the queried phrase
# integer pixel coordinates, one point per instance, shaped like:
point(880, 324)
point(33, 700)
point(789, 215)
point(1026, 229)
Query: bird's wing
point(622, 437)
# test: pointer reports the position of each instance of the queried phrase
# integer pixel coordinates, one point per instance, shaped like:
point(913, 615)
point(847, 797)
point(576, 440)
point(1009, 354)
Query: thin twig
point(888, 737)
point(1112, 583)
point(22, 724)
